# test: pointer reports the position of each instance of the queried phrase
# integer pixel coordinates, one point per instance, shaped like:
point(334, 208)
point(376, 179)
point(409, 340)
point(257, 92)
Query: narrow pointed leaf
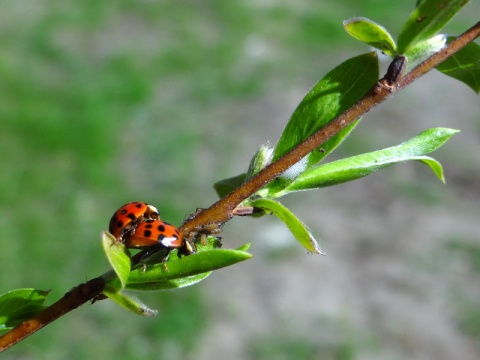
point(296, 227)
point(371, 33)
point(464, 65)
point(154, 273)
point(244, 247)
point(131, 303)
point(262, 158)
point(195, 264)
point(423, 49)
point(336, 92)
point(118, 257)
point(428, 18)
point(167, 284)
point(355, 167)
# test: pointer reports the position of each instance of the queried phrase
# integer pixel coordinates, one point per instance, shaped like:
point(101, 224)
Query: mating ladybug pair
point(138, 226)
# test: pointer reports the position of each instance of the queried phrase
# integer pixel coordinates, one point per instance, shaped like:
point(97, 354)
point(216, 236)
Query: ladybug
point(126, 219)
point(153, 233)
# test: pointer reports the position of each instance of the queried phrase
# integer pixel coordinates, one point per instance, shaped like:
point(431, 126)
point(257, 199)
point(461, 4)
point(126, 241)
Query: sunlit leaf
point(199, 263)
point(371, 33)
point(244, 247)
point(118, 257)
point(131, 303)
point(166, 284)
point(336, 92)
point(296, 227)
point(424, 49)
point(355, 167)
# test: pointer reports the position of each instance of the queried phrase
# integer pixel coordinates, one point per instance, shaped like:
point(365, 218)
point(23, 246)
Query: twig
point(70, 301)
point(221, 211)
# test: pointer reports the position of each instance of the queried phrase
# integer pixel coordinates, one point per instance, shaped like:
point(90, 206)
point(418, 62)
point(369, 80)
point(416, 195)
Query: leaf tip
point(146, 311)
point(244, 247)
point(315, 247)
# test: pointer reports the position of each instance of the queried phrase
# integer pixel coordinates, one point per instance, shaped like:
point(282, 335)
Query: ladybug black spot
point(147, 233)
point(124, 211)
point(119, 224)
point(138, 205)
point(131, 216)
point(161, 228)
point(148, 226)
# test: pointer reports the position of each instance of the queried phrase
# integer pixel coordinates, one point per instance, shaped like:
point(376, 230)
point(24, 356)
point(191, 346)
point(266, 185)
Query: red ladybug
point(157, 233)
point(127, 218)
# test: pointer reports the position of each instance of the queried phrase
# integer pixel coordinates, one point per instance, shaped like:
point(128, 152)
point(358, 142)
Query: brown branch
point(70, 301)
point(459, 43)
point(221, 211)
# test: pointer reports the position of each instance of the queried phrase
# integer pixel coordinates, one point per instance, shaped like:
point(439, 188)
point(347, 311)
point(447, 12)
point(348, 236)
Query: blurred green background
point(106, 102)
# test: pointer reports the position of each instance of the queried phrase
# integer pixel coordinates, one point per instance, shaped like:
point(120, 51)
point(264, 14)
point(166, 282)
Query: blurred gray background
point(106, 102)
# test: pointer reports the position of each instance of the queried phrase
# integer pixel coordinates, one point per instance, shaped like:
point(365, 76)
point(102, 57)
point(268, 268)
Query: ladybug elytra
point(138, 226)
point(154, 233)
point(151, 232)
point(129, 216)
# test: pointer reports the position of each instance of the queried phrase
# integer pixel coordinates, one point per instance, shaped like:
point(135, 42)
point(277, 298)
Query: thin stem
point(459, 43)
point(70, 301)
point(222, 210)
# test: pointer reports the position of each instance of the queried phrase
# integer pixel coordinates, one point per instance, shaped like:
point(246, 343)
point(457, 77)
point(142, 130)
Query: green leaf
point(423, 49)
point(226, 186)
point(464, 65)
point(429, 17)
point(337, 91)
point(118, 257)
point(19, 305)
point(244, 247)
point(371, 33)
point(174, 273)
point(355, 167)
point(131, 304)
point(166, 284)
point(296, 227)
point(200, 263)
point(154, 273)
point(262, 158)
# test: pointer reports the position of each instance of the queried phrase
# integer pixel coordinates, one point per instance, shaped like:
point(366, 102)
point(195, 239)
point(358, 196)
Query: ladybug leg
point(162, 254)
point(126, 232)
point(143, 261)
point(164, 261)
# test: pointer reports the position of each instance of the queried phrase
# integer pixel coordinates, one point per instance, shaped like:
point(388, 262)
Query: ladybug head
point(188, 248)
